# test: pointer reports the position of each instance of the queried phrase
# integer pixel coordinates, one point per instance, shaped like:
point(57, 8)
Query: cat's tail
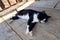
point(14, 18)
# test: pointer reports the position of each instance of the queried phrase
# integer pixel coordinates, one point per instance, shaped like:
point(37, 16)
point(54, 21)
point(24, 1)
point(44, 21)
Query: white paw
point(27, 30)
point(30, 33)
point(11, 21)
point(42, 22)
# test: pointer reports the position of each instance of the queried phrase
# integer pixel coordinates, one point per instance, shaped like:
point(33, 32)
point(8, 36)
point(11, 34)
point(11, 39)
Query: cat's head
point(43, 17)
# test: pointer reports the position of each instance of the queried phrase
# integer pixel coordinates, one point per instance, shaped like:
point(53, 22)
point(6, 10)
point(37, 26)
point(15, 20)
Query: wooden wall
point(8, 3)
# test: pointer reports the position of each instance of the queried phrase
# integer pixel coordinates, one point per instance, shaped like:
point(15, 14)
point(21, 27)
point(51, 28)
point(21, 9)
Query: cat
point(33, 17)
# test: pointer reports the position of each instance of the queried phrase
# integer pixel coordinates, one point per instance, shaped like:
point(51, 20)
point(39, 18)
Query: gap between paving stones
point(56, 4)
point(13, 29)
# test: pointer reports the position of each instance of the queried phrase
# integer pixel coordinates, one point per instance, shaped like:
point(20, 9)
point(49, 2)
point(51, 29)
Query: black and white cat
point(32, 16)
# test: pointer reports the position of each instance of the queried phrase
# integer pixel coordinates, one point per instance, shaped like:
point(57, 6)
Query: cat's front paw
point(30, 33)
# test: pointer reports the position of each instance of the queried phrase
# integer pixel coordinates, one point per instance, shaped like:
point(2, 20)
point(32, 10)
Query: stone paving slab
point(6, 3)
point(0, 8)
point(1, 20)
point(6, 33)
point(45, 4)
point(49, 0)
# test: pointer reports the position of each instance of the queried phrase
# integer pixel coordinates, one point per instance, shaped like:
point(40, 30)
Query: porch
point(16, 30)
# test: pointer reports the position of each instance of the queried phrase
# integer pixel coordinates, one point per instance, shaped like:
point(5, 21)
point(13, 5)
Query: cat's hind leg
point(31, 26)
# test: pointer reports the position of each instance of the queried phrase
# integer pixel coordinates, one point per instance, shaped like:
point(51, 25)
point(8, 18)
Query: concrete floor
point(16, 30)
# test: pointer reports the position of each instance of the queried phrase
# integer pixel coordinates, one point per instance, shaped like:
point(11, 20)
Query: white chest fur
point(24, 17)
point(35, 19)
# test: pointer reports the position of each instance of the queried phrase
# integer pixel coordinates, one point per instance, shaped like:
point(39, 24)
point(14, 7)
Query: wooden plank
point(6, 3)
point(11, 2)
point(12, 8)
point(2, 5)
point(1, 9)
point(19, 0)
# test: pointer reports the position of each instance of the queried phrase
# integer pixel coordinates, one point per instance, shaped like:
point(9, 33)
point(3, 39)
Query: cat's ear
point(49, 16)
point(43, 11)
